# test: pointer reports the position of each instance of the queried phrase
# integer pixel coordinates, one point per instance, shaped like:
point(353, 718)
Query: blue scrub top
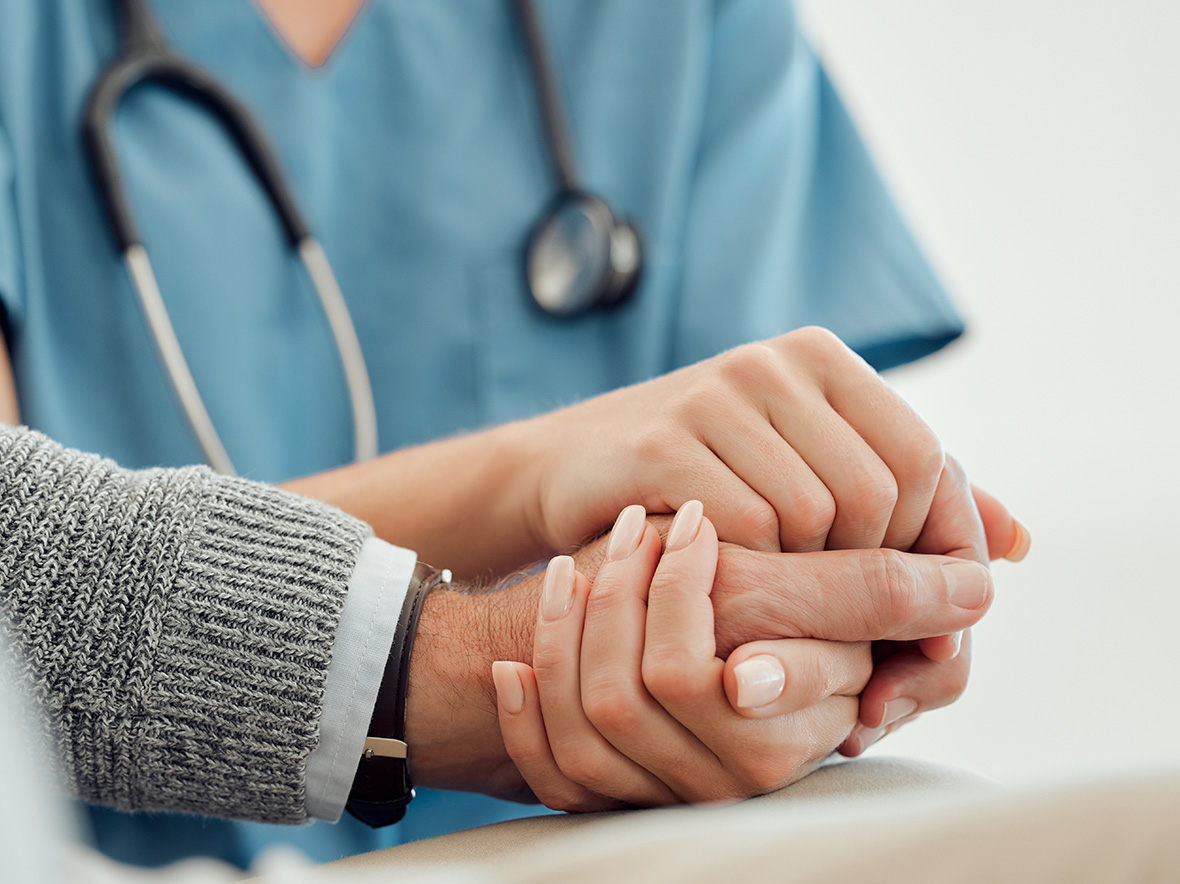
point(417, 154)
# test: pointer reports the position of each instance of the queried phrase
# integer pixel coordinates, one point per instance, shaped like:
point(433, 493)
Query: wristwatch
point(382, 788)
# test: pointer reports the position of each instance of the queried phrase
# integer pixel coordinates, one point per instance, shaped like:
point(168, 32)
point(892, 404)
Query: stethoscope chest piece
point(580, 257)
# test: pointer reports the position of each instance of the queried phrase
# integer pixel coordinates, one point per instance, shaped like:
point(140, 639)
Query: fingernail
point(966, 584)
point(851, 744)
point(868, 736)
point(557, 593)
point(760, 681)
point(509, 689)
point(686, 525)
point(628, 530)
point(895, 710)
point(1020, 545)
point(957, 638)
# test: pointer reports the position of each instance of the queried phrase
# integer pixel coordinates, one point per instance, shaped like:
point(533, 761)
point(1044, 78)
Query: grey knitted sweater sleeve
point(176, 625)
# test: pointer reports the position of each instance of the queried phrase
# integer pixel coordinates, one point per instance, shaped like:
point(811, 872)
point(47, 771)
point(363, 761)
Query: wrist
point(382, 788)
point(451, 725)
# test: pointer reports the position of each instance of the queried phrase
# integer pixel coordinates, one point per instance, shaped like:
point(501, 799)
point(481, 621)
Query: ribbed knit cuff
point(243, 654)
point(177, 625)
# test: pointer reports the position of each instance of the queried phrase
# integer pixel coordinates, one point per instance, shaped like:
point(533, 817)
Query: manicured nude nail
point(1020, 545)
point(628, 531)
point(760, 681)
point(686, 525)
point(895, 710)
point(509, 689)
point(557, 593)
point(966, 584)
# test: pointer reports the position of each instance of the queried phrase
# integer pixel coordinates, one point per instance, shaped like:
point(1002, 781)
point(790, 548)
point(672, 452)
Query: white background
point(1035, 146)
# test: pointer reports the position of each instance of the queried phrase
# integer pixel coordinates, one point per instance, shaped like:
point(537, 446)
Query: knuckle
point(819, 345)
point(759, 524)
point(811, 516)
point(549, 657)
point(668, 678)
point(749, 365)
point(816, 337)
point(874, 498)
point(926, 459)
point(612, 712)
point(893, 592)
point(586, 766)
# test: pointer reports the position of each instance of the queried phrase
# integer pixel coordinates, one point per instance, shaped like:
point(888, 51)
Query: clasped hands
point(836, 613)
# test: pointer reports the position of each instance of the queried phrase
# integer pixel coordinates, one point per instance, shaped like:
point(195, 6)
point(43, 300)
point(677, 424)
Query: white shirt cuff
point(376, 592)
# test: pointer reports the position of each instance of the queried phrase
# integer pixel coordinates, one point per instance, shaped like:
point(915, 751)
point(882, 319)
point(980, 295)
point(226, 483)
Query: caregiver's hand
point(625, 704)
point(875, 594)
point(793, 444)
point(615, 716)
point(858, 596)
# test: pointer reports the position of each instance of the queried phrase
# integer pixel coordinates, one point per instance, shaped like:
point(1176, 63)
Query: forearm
point(465, 503)
point(451, 723)
point(176, 626)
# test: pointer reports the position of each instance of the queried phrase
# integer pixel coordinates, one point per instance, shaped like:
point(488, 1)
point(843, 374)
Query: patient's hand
point(628, 702)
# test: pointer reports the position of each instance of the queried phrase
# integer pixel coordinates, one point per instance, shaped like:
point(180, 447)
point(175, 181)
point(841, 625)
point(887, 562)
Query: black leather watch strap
point(382, 787)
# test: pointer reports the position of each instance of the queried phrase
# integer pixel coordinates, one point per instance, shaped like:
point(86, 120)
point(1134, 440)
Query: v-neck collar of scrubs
point(297, 58)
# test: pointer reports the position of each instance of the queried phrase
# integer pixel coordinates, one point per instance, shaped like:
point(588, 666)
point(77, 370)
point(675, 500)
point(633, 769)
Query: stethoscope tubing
point(144, 58)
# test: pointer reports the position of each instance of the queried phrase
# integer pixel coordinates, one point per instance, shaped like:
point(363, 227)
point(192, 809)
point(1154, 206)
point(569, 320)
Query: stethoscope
point(579, 255)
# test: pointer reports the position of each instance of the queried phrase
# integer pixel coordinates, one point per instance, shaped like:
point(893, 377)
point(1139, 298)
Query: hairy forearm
point(451, 724)
point(465, 503)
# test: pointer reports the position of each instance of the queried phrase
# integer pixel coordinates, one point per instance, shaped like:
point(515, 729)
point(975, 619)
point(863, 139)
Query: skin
point(626, 703)
point(311, 28)
point(844, 596)
point(793, 445)
point(543, 484)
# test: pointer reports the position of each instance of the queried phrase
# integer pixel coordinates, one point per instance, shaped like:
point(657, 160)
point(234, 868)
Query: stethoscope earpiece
point(580, 257)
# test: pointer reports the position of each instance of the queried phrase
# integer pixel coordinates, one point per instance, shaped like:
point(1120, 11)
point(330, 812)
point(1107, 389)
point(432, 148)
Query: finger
point(863, 737)
point(616, 701)
point(940, 648)
point(745, 517)
point(953, 526)
point(768, 678)
point(582, 753)
point(859, 481)
point(908, 682)
point(1006, 537)
point(845, 595)
point(680, 666)
point(518, 705)
point(794, 393)
point(766, 462)
point(903, 441)
point(780, 750)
